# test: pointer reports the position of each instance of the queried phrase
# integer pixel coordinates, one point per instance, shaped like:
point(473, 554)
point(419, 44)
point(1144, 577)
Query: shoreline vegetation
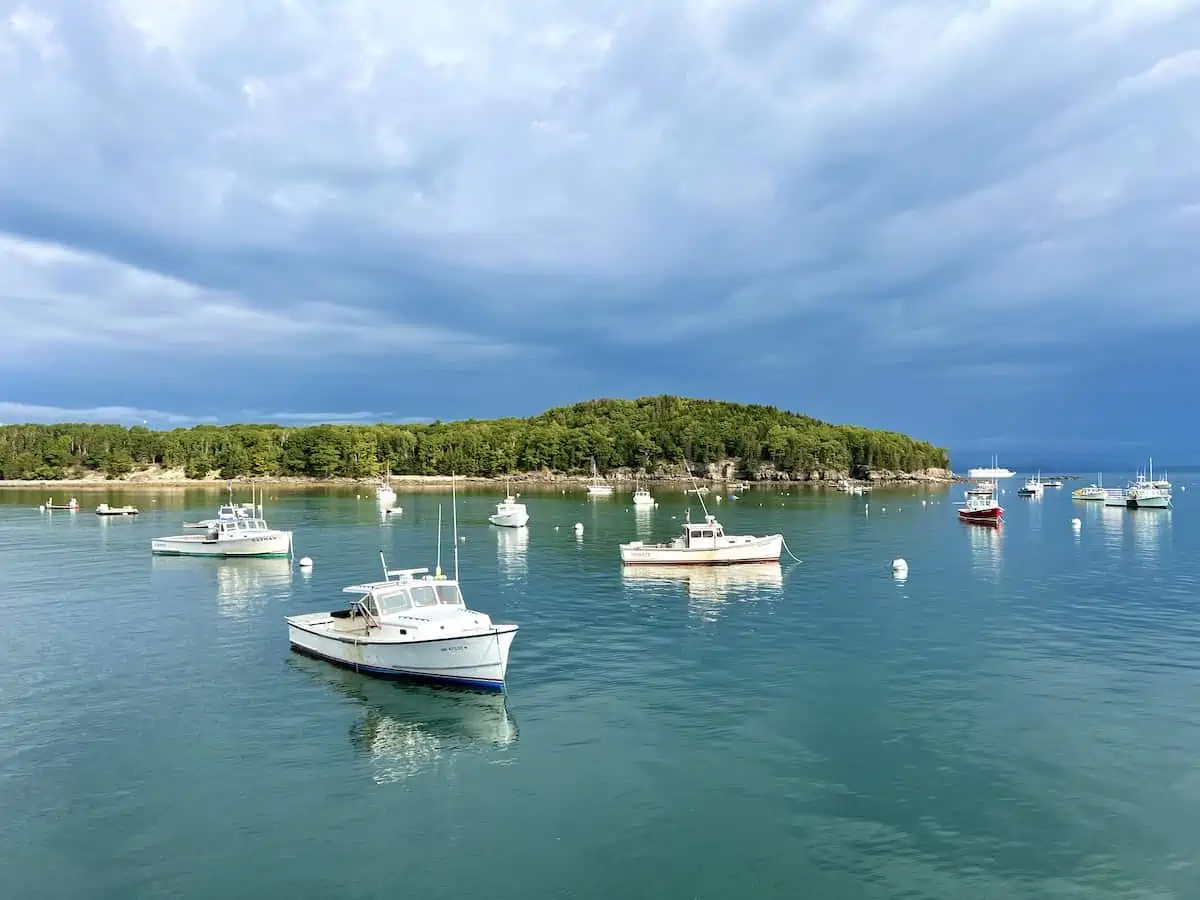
point(648, 439)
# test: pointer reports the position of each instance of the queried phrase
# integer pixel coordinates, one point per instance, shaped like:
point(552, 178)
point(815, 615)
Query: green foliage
point(654, 433)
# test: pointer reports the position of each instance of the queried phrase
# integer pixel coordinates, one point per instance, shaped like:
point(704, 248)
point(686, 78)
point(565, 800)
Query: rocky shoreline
point(158, 478)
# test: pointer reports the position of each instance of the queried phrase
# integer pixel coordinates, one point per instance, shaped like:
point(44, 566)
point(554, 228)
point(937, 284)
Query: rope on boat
point(788, 550)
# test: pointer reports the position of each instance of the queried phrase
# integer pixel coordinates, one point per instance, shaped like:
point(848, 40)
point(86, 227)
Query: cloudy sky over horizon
point(976, 222)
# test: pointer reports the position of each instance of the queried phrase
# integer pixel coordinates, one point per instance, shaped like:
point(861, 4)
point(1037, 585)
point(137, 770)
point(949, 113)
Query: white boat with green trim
point(236, 537)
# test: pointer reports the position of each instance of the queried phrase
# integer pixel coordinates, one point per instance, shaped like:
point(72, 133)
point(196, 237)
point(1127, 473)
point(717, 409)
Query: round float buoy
point(306, 562)
point(579, 528)
point(1076, 524)
point(900, 566)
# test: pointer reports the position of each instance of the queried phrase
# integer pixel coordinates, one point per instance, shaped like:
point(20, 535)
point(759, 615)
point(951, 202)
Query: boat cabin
point(709, 530)
point(236, 527)
point(407, 595)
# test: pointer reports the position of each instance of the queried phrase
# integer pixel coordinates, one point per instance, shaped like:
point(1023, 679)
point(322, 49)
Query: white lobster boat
point(236, 537)
point(509, 513)
point(704, 543)
point(410, 628)
point(105, 510)
point(407, 627)
point(641, 496)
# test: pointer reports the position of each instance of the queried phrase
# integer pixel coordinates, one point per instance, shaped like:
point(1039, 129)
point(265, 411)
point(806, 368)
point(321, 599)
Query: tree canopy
point(654, 434)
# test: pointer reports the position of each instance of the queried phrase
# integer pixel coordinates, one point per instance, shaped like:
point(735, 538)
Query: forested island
point(654, 436)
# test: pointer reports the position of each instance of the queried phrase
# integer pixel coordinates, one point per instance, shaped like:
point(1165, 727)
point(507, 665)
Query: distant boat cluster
point(982, 507)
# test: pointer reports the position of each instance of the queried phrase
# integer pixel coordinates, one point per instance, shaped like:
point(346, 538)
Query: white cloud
point(14, 413)
point(565, 166)
point(54, 300)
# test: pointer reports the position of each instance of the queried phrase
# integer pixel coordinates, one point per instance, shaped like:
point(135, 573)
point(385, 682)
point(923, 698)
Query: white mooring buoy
point(899, 567)
point(306, 562)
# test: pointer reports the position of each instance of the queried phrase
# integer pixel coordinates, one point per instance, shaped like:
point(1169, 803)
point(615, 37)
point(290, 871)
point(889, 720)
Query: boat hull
point(757, 550)
point(477, 661)
point(275, 545)
point(1148, 503)
point(989, 516)
point(518, 519)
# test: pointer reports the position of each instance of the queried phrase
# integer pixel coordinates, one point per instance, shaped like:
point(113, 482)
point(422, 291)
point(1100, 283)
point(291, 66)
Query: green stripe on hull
point(282, 555)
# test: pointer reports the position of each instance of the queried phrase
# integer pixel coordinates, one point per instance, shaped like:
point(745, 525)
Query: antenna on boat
point(383, 562)
point(439, 543)
point(454, 511)
point(696, 489)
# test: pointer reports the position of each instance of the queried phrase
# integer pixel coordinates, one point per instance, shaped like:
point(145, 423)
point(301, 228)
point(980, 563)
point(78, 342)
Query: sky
point(974, 222)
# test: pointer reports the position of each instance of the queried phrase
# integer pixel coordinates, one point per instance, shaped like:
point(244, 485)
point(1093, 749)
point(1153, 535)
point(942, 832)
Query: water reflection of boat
point(408, 729)
point(245, 583)
point(708, 583)
point(987, 545)
point(512, 550)
point(1148, 530)
point(1112, 523)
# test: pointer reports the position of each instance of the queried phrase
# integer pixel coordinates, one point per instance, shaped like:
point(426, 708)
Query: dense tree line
point(654, 434)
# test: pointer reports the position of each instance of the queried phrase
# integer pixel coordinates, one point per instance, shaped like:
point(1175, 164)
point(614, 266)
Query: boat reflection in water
point(512, 551)
point(1112, 524)
point(410, 729)
point(708, 587)
point(643, 521)
point(987, 548)
point(246, 584)
point(1149, 527)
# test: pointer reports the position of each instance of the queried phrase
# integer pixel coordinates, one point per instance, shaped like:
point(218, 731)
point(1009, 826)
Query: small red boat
point(981, 508)
point(990, 515)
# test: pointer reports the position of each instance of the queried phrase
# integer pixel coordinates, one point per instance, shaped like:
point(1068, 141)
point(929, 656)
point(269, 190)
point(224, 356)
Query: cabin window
point(449, 595)
point(369, 603)
point(707, 533)
point(424, 595)
point(396, 602)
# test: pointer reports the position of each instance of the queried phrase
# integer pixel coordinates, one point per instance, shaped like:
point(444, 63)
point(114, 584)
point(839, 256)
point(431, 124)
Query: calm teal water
point(1018, 719)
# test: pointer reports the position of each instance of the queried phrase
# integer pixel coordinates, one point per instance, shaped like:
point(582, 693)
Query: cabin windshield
point(368, 602)
point(394, 602)
point(449, 595)
point(424, 595)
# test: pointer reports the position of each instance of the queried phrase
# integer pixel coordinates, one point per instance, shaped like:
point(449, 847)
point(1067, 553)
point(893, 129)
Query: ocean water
point(1019, 718)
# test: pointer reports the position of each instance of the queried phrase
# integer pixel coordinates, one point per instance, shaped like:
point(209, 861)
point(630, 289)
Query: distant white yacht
point(990, 472)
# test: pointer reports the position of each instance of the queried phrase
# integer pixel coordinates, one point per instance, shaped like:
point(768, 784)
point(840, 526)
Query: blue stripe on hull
point(221, 555)
point(399, 675)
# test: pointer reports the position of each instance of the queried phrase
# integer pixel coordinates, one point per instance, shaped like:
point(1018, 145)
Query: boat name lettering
point(458, 647)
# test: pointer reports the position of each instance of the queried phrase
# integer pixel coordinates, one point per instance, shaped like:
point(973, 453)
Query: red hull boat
point(988, 515)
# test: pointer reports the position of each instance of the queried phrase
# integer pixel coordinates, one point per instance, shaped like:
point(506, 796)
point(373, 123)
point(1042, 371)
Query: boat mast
point(438, 571)
point(696, 489)
point(454, 511)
